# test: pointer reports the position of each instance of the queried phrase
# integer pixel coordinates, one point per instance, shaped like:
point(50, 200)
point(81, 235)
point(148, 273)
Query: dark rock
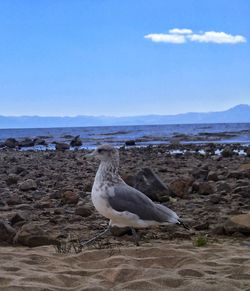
point(61, 146)
point(33, 235)
point(199, 173)
point(215, 199)
point(223, 186)
point(69, 197)
point(39, 141)
point(212, 176)
point(244, 191)
point(205, 188)
point(17, 218)
point(202, 226)
point(150, 184)
point(180, 186)
point(11, 143)
point(238, 224)
point(76, 141)
point(7, 232)
point(129, 142)
point(120, 231)
point(27, 185)
point(27, 142)
point(83, 211)
point(248, 152)
point(227, 153)
point(14, 200)
point(12, 179)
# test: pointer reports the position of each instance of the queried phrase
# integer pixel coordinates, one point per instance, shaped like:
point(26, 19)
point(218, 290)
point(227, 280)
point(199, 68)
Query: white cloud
point(180, 36)
point(217, 37)
point(161, 37)
point(180, 31)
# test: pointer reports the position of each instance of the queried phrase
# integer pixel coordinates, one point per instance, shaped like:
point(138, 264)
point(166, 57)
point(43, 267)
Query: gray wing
point(129, 199)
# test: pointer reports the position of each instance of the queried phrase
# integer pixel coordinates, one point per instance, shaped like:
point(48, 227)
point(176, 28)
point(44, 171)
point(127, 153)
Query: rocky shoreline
point(45, 195)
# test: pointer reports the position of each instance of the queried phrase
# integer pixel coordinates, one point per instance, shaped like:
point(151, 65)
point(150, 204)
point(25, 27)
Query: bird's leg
point(135, 236)
point(85, 243)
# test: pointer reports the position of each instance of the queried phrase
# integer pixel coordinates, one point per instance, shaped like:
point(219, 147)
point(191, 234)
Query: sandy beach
point(158, 265)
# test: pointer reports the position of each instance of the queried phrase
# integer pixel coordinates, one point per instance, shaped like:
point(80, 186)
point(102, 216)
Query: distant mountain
point(239, 113)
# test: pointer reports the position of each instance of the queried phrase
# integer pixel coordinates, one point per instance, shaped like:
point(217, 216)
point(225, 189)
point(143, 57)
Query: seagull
point(122, 204)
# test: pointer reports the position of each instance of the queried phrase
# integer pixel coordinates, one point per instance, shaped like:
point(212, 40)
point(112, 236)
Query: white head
point(106, 153)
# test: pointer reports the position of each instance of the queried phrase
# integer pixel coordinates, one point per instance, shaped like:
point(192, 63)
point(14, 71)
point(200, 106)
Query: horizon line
point(113, 116)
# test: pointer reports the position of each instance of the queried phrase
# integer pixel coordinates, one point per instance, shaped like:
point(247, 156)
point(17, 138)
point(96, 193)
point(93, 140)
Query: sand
point(158, 265)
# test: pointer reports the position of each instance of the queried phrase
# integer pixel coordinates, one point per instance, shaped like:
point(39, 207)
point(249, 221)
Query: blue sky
point(110, 57)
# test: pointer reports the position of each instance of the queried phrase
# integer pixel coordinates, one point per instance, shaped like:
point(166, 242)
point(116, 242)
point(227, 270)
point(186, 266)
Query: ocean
point(142, 135)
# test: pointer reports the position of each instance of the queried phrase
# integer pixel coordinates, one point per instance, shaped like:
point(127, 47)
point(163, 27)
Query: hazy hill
point(239, 113)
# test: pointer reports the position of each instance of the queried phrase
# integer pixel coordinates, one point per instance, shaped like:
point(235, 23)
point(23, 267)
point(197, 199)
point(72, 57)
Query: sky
point(123, 58)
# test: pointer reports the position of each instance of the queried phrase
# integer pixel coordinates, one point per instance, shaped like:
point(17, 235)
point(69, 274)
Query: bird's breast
point(100, 200)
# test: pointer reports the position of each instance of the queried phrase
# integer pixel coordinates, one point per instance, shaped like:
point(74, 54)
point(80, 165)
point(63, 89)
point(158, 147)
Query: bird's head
point(105, 152)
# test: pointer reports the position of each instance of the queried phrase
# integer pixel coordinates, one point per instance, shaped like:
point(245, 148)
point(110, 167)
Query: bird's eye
point(100, 151)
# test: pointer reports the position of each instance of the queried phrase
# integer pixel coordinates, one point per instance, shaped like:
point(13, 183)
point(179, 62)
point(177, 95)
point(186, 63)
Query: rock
point(33, 235)
point(238, 224)
point(199, 173)
point(61, 146)
point(7, 232)
point(150, 184)
point(27, 185)
point(14, 199)
point(223, 186)
point(215, 199)
point(76, 141)
point(39, 141)
point(120, 231)
point(27, 142)
point(12, 179)
point(11, 143)
point(180, 186)
point(244, 191)
point(248, 152)
point(205, 188)
point(202, 226)
point(212, 176)
point(17, 218)
point(69, 197)
point(83, 211)
point(129, 142)
point(227, 153)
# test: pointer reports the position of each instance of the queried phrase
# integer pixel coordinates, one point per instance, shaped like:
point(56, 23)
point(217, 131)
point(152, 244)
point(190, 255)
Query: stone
point(69, 197)
point(248, 152)
point(61, 146)
point(212, 176)
point(215, 198)
point(120, 231)
point(150, 184)
point(76, 141)
point(129, 142)
point(33, 235)
point(39, 141)
point(238, 224)
point(83, 211)
point(11, 143)
point(227, 153)
point(202, 226)
point(7, 232)
point(17, 218)
point(180, 186)
point(223, 186)
point(12, 179)
point(205, 188)
point(27, 185)
point(27, 142)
